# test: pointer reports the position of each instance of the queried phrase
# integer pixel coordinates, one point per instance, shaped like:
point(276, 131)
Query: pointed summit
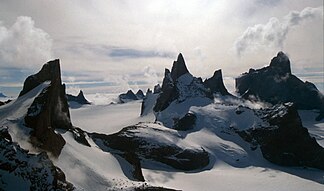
point(179, 68)
point(79, 98)
point(216, 84)
point(139, 94)
point(281, 63)
point(50, 72)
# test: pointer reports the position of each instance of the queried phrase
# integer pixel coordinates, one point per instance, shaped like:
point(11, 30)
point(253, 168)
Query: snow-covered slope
point(89, 168)
point(108, 118)
point(12, 114)
point(233, 164)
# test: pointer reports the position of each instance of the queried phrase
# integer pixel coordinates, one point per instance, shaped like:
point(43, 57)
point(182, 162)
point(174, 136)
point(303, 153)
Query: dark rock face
point(168, 92)
point(133, 159)
point(50, 72)
point(178, 68)
point(186, 123)
point(128, 140)
point(139, 94)
point(179, 85)
point(130, 96)
point(216, 84)
point(275, 84)
point(49, 110)
point(281, 64)
point(79, 98)
point(80, 136)
point(5, 102)
point(35, 171)
point(157, 89)
point(285, 142)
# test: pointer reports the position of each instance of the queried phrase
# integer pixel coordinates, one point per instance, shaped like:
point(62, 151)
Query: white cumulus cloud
point(274, 33)
point(22, 45)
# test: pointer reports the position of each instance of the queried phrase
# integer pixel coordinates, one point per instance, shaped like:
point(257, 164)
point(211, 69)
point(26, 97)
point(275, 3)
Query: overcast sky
point(127, 42)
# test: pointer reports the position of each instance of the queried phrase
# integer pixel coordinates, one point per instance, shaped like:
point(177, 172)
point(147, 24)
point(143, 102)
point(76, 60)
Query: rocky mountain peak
point(79, 98)
point(139, 94)
point(50, 72)
point(281, 63)
point(215, 84)
point(131, 96)
point(179, 85)
point(179, 68)
point(276, 84)
point(49, 109)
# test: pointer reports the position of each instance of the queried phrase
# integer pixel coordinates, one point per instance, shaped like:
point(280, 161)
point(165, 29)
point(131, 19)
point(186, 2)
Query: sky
point(113, 45)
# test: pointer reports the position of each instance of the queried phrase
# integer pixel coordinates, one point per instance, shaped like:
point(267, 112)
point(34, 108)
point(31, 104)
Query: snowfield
point(233, 166)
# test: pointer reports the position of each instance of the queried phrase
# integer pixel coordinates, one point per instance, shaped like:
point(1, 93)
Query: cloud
point(133, 53)
point(274, 33)
point(100, 50)
point(23, 45)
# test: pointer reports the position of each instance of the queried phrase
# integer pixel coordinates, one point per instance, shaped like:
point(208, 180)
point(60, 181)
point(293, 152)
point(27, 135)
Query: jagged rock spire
point(49, 109)
point(215, 84)
point(179, 68)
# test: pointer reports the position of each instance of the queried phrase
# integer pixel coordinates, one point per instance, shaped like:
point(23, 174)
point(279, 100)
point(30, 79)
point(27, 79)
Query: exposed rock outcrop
point(178, 85)
point(186, 123)
point(285, 142)
point(78, 99)
point(141, 141)
point(139, 94)
point(275, 84)
point(215, 84)
point(23, 171)
point(49, 110)
point(130, 96)
point(5, 102)
point(168, 92)
point(178, 68)
point(157, 89)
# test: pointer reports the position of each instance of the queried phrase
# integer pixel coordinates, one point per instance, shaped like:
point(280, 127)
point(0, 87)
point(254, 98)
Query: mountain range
point(186, 132)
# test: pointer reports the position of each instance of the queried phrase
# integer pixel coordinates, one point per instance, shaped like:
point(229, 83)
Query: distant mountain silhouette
point(2, 95)
point(130, 96)
point(78, 99)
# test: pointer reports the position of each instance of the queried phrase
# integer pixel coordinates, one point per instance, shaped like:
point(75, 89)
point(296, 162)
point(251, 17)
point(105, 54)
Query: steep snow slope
point(89, 168)
point(12, 114)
